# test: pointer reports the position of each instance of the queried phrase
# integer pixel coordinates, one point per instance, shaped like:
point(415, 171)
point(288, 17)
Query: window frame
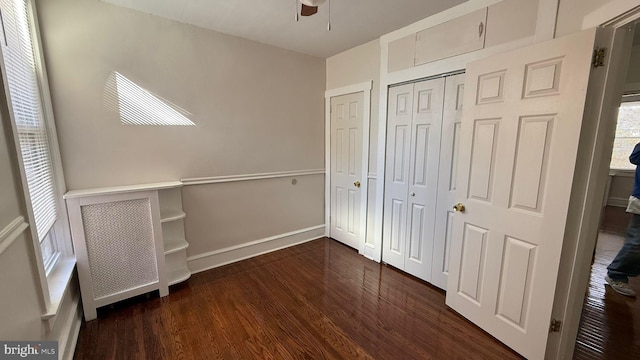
point(626, 100)
point(54, 277)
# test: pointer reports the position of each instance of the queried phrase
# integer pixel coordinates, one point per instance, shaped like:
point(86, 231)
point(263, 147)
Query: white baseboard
point(617, 201)
point(213, 259)
point(69, 333)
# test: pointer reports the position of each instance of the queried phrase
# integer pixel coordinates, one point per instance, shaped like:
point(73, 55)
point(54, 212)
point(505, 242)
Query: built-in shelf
point(162, 252)
point(175, 243)
point(172, 215)
point(178, 275)
point(173, 246)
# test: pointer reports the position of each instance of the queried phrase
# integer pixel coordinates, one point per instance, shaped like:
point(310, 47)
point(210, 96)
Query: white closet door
point(346, 168)
point(451, 120)
point(423, 176)
point(519, 143)
point(399, 118)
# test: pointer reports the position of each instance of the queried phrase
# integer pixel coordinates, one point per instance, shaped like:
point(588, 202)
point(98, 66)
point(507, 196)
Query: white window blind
point(627, 135)
point(26, 105)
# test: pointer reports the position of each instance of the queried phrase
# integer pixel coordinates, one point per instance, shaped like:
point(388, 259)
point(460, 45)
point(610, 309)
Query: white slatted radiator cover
point(120, 246)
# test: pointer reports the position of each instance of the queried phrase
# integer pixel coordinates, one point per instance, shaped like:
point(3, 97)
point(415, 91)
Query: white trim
point(622, 173)
point(351, 89)
point(231, 254)
point(246, 177)
point(372, 176)
point(70, 330)
point(618, 202)
point(365, 88)
point(327, 165)
point(11, 232)
point(59, 281)
point(609, 12)
point(605, 89)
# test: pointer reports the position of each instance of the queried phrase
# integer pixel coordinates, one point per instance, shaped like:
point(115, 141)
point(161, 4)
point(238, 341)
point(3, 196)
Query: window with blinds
point(627, 135)
point(26, 106)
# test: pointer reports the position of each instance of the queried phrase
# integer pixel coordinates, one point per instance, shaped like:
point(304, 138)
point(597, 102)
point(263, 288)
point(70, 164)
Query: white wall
point(21, 309)
point(258, 109)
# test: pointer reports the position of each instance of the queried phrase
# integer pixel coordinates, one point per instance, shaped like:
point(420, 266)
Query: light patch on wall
point(138, 106)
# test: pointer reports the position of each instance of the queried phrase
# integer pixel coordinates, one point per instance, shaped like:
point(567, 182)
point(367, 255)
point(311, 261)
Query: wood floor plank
point(318, 300)
point(610, 322)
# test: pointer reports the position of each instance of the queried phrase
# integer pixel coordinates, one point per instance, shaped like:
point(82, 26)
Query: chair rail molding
point(11, 232)
point(247, 177)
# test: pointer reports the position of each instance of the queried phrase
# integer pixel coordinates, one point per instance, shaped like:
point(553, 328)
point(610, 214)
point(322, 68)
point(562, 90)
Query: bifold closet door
point(451, 120)
point(413, 144)
point(400, 114)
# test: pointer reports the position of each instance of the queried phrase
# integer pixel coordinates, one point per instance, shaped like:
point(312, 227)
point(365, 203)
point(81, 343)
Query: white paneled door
point(413, 146)
point(521, 125)
point(346, 168)
point(447, 177)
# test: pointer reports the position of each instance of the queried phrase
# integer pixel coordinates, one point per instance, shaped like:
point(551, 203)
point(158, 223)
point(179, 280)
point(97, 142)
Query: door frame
point(582, 229)
point(365, 88)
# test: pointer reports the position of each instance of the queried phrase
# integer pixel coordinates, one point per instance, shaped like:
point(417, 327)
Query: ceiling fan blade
point(308, 10)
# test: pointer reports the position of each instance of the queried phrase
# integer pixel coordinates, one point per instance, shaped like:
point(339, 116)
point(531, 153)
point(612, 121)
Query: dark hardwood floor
point(318, 300)
point(610, 323)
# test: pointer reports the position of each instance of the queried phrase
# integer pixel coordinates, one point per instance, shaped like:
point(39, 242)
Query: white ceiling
point(353, 22)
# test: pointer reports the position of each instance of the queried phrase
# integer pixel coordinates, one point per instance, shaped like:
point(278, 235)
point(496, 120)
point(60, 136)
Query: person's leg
point(627, 262)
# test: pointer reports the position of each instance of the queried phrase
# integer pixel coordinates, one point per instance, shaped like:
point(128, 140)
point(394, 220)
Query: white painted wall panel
point(402, 53)
point(454, 37)
point(511, 20)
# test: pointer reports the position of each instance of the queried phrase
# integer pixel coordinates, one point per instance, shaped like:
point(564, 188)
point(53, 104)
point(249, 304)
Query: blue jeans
point(627, 262)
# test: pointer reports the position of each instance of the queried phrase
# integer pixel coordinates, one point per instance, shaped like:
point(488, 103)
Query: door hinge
point(555, 325)
point(598, 56)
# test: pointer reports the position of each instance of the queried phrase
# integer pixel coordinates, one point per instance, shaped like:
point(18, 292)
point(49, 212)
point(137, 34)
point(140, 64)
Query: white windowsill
point(622, 172)
point(58, 280)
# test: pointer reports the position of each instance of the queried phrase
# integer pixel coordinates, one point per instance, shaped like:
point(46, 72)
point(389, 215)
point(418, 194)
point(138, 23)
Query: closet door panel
point(423, 174)
point(447, 174)
point(400, 113)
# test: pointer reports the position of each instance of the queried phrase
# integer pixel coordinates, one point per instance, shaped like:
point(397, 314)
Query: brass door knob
point(356, 184)
point(459, 207)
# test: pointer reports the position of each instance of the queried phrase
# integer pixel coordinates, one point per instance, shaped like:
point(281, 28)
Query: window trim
point(55, 278)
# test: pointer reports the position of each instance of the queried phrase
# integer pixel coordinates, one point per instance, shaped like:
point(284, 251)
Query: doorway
point(347, 118)
point(608, 319)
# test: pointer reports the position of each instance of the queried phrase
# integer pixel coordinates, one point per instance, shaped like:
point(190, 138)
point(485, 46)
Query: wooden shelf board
point(172, 215)
point(174, 245)
point(178, 275)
